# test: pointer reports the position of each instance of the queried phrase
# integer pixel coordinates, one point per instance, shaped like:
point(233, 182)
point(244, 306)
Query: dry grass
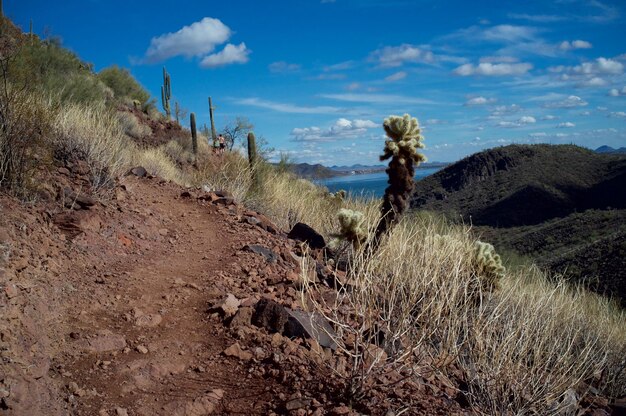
point(132, 126)
point(522, 349)
point(93, 132)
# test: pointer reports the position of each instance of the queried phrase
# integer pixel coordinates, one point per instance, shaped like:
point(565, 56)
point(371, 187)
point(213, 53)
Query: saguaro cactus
point(194, 133)
point(166, 93)
point(251, 149)
point(211, 108)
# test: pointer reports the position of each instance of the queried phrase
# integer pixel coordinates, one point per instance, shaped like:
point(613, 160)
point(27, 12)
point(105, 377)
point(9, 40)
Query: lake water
point(368, 184)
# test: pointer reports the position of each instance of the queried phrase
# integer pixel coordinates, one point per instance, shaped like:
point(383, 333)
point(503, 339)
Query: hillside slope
point(524, 185)
point(562, 206)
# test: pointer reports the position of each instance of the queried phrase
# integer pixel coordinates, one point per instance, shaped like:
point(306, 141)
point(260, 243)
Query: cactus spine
point(194, 133)
point(166, 93)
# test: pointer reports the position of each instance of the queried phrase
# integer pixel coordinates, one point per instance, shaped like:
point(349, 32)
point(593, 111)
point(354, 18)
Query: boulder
point(270, 315)
point(310, 325)
point(306, 234)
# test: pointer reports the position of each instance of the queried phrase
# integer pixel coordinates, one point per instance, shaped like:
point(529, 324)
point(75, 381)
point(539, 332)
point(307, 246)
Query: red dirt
point(107, 311)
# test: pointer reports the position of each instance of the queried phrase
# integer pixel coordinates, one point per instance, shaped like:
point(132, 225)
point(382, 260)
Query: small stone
point(164, 231)
point(142, 349)
point(120, 411)
point(236, 351)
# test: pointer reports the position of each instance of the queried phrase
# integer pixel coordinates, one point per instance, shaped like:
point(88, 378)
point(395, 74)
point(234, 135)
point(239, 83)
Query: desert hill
point(562, 206)
point(524, 185)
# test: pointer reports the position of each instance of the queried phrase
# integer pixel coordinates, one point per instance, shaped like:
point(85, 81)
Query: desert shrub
point(46, 67)
point(132, 126)
point(93, 133)
point(123, 84)
point(158, 163)
point(25, 121)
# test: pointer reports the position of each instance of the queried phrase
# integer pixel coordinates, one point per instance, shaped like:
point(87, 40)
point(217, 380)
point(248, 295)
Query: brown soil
point(114, 309)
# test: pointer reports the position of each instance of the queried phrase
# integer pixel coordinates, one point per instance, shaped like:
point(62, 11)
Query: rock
point(223, 194)
point(75, 200)
point(164, 231)
point(120, 411)
point(236, 351)
point(304, 233)
point(11, 290)
point(149, 320)
point(310, 325)
point(105, 341)
point(200, 406)
point(297, 403)
point(340, 410)
point(64, 171)
point(243, 317)
point(224, 201)
point(142, 349)
point(138, 171)
point(251, 220)
point(269, 255)
point(185, 194)
point(228, 306)
point(270, 315)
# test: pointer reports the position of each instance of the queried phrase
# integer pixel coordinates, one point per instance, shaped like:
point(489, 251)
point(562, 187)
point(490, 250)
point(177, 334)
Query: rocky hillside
point(524, 185)
point(562, 206)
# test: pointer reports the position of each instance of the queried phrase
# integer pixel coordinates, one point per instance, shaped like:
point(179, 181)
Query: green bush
point(124, 86)
point(46, 67)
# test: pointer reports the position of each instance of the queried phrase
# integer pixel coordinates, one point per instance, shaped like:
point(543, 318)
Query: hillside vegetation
point(560, 206)
point(526, 346)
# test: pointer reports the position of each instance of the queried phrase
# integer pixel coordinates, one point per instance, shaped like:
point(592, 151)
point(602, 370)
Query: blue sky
point(317, 78)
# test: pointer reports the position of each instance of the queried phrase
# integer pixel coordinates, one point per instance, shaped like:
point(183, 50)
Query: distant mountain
point(609, 149)
point(524, 185)
point(563, 206)
point(378, 168)
point(308, 171)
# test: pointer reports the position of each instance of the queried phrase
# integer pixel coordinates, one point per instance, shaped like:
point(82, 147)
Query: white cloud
point(570, 102)
point(288, 108)
point(341, 129)
point(567, 124)
point(393, 56)
point(434, 121)
point(479, 101)
point(282, 67)
point(501, 110)
point(592, 82)
point(522, 121)
point(353, 86)
point(618, 114)
point(599, 66)
point(527, 120)
point(614, 92)
point(489, 69)
point(231, 54)
point(396, 77)
point(499, 59)
point(549, 117)
point(575, 44)
point(197, 39)
point(377, 98)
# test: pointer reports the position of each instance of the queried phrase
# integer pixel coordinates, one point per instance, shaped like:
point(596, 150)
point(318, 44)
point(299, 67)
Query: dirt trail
point(120, 309)
point(156, 300)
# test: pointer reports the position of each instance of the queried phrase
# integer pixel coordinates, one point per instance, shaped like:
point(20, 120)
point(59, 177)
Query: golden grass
point(95, 133)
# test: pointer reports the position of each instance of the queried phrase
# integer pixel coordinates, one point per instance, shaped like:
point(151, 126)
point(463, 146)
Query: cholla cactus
point(404, 139)
point(488, 264)
point(352, 227)
point(401, 147)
